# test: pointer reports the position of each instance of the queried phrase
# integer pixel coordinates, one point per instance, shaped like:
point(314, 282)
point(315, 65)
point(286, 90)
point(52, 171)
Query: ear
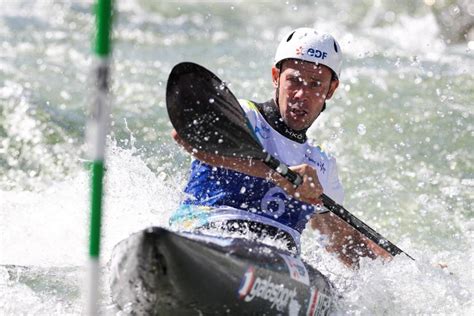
point(332, 88)
point(275, 76)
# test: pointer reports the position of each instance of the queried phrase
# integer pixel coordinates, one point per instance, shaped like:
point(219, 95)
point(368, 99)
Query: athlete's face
point(303, 88)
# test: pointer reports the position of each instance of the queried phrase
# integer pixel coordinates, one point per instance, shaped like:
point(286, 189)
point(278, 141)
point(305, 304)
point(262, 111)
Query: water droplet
point(211, 100)
point(398, 128)
point(361, 129)
point(470, 45)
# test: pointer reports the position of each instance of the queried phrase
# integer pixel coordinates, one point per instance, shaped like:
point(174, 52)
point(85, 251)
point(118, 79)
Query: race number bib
point(274, 202)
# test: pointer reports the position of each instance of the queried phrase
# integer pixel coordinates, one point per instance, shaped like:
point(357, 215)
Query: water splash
point(413, 186)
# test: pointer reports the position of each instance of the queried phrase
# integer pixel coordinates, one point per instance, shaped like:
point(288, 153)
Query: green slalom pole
point(96, 135)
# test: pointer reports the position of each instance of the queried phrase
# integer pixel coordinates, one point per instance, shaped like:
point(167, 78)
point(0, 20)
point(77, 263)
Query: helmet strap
point(277, 101)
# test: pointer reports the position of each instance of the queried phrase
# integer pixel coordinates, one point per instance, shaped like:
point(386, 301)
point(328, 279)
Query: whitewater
point(400, 126)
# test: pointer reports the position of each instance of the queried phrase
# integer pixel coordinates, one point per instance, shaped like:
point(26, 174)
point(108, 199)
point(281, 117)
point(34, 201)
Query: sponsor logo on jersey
point(310, 159)
point(293, 134)
point(263, 131)
point(321, 167)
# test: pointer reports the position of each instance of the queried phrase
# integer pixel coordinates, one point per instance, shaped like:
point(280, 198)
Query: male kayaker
point(242, 196)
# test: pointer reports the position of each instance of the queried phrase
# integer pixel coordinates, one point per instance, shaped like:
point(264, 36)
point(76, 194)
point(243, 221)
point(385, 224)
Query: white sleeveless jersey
point(217, 194)
point(293, 153)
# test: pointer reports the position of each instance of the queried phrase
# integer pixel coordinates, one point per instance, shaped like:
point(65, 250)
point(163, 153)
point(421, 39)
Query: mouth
point(297, 110)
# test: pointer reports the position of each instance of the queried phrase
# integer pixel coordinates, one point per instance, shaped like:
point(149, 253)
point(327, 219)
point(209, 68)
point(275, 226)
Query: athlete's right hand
point(309, 191)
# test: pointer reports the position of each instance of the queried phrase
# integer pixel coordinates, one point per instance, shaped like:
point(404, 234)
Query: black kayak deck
point(160, 272)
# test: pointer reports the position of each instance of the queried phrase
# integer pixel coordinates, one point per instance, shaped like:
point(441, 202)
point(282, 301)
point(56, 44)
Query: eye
point(315, 84)
point(294, 79)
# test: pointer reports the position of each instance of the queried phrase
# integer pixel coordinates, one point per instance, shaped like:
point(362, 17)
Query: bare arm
point(308, 191)
point(344, 240)
point(251, 167)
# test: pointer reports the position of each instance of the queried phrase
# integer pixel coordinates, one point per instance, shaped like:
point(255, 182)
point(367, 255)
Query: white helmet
point(307, 44)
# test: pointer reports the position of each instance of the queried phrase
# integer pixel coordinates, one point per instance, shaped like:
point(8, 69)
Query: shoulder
point(328, 173)
point(248, 106)
point(320, 158)
point(251, 111)
point(320, 152)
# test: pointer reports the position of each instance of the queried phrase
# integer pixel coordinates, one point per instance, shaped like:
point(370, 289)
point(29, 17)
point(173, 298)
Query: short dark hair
point(279, 66)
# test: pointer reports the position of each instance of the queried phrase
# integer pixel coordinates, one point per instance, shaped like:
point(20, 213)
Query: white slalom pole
point(96, 136)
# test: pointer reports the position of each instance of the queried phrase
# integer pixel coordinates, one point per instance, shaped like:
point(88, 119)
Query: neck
point(270, 112)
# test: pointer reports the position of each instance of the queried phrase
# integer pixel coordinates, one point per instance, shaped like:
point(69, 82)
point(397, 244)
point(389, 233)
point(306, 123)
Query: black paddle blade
point(207, 115)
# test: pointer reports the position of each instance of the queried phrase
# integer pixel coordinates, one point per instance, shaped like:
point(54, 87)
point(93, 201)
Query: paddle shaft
point(336, 209)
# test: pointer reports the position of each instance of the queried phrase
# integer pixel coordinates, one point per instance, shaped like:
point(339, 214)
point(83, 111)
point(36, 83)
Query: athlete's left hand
point(349, 244)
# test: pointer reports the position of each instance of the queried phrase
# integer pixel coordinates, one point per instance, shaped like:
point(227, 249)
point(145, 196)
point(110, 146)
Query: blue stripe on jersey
point(213, 186)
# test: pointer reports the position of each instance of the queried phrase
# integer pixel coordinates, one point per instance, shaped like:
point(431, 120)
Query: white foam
point(51, 225)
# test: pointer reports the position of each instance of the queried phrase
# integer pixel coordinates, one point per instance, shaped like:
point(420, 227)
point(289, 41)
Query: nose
point(299, 93)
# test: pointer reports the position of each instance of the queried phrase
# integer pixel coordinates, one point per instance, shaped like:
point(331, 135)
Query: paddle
point(207, 116)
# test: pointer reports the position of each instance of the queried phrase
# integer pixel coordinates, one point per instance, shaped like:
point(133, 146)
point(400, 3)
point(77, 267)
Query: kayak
point(160, 272)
